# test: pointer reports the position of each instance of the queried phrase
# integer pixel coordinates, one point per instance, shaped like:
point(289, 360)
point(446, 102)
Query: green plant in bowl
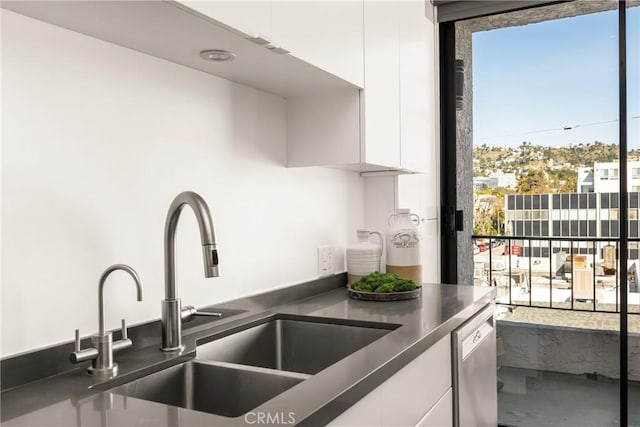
point(383, 283)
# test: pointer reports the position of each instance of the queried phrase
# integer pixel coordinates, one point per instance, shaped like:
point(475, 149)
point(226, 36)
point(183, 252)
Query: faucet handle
point(80, 355)
point(125, 342)
point(207, 313)
point(189, 312)
point(124, 329)
point(77, 346)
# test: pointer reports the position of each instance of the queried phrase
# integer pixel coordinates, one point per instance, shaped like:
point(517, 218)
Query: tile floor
point(531, 398)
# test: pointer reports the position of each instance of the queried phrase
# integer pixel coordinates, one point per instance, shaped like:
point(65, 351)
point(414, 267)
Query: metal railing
point(556, 272)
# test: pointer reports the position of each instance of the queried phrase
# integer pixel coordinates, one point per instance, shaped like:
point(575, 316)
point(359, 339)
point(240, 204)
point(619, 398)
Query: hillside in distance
point(559, 165)
point(487, 159)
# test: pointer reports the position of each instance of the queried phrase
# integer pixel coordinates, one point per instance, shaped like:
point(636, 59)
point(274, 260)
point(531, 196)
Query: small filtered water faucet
point(101, 354)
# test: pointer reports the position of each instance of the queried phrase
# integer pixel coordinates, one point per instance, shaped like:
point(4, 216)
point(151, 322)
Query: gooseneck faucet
point(103, 279)
point(101, 354)
point(172, 312)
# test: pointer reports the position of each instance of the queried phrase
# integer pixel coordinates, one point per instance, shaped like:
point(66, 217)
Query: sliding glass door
point(630, 127)
point(541, 195)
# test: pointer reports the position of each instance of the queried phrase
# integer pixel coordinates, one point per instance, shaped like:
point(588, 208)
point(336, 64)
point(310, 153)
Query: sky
point(554, 74)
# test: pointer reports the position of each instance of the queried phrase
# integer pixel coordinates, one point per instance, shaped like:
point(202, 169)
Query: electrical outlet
point(325, 261)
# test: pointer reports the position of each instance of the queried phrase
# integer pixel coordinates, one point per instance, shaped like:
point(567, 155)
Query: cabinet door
point(417, 87)
point(441, 415)
point(404, 398)
point(419, 385)
point(251, 18)
point(327, 34)
point(324, 129)
point(381, 112)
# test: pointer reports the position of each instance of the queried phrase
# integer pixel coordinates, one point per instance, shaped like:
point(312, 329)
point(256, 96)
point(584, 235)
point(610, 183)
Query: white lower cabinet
point(412, 396)
point(441, 415)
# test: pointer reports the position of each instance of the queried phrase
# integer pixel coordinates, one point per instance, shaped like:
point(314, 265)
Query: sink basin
point(297, 344)
point(212, 388)
point(243, 367)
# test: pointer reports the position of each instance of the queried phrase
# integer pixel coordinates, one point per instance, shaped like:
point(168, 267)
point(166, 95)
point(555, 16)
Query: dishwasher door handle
point(473, 340)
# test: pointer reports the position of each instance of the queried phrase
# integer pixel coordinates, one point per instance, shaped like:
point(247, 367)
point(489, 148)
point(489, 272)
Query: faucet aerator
point(210, 258)
point(212, 271)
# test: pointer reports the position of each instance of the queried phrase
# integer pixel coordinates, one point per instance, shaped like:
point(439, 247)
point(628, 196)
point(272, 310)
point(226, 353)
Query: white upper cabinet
point(381, 106)
point(417, 88)
point(178, 31)
point(251, 18)
point(384, 44)
point(396, 107)
point(327, 34)
point(399, 93)
point(324, 129)
point(358, 75)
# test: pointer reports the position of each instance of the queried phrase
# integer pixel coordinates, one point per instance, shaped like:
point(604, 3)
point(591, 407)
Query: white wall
point(381, 200)
point(385, 194)
point(96, 142)
point(419, 193)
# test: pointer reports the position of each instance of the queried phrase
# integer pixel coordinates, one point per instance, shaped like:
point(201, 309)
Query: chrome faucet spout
point(103, 279)
point(207, 237)
point(171, 305)
point(101, 354)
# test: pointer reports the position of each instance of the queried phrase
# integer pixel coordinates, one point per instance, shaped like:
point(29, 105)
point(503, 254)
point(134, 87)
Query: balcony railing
point(579, 274)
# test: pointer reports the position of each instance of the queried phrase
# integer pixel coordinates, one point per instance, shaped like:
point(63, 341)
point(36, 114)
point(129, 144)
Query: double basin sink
point(239, 369)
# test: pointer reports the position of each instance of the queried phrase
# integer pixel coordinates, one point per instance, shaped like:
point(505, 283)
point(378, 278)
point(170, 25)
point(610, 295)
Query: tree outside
point(534, 181)
point(488, 215)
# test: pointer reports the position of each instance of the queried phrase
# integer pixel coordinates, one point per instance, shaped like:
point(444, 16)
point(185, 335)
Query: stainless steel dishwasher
point(475, 393)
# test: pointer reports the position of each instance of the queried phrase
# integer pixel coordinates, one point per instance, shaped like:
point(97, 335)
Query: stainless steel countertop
point(315, 401)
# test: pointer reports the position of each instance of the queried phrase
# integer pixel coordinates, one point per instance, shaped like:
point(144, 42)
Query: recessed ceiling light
point(217, 55)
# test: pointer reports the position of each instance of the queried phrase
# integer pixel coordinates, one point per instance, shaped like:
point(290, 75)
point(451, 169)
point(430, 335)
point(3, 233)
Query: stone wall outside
point(568, 350)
